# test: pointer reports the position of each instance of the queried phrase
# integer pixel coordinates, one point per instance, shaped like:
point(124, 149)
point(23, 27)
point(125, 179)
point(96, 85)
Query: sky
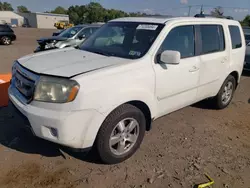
point(236, 8)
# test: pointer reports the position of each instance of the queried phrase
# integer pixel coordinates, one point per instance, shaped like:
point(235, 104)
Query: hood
point(67, 62)
point(50, 39)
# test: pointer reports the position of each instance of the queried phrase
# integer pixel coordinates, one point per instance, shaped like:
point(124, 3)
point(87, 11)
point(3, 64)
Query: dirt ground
point(177, 152)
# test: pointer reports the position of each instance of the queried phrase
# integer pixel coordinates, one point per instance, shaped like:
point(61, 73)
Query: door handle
point(194, 69)
point(224, 60)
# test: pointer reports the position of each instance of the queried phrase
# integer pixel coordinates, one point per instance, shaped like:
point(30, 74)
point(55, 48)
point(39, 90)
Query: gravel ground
point(177, 152)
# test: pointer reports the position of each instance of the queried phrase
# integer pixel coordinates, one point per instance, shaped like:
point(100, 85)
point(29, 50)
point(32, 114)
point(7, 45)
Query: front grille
point(25, 82)
point(24, 85)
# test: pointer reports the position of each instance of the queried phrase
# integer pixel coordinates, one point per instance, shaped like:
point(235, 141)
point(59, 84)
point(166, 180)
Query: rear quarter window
point(235, 36)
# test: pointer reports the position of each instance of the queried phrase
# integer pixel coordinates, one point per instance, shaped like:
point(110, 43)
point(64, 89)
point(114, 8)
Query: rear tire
point(5, 40)
point(226, 93)
point(126, 125)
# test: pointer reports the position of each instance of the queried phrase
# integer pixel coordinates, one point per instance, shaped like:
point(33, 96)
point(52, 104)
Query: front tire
point(6, 40)
point(121, 134)
point(225, 95)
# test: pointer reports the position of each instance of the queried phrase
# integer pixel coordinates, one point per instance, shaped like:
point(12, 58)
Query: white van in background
point(127, 74)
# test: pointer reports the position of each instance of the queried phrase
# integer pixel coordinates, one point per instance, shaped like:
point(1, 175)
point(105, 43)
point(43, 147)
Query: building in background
point(10, 17)
point(43, 20)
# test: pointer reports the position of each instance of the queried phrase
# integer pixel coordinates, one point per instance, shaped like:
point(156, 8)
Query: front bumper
point(72, 128)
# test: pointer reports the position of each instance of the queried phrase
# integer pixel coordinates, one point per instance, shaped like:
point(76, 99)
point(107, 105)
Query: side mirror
point(82, 37)
point(170, 57)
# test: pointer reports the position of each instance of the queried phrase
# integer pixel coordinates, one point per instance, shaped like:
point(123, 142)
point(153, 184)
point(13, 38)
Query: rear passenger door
point(238, 48)
point(214, 59)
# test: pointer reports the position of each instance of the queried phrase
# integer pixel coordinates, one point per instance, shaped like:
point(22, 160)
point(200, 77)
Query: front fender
point(105, 107)
point(128, 96)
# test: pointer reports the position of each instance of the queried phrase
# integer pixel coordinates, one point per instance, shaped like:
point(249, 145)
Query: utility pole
point(202, 12)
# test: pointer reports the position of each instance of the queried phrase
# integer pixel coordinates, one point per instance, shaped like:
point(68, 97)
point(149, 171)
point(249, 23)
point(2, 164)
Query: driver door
point(177, 85)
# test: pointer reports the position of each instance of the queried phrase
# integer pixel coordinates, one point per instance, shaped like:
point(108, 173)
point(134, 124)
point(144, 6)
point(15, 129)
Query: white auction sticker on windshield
point(147, 27)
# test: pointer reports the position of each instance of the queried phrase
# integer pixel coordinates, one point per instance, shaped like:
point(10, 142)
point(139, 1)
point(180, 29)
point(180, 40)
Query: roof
point(51, 14)
point(163, 20)
point(9, 14)
point(159, 20)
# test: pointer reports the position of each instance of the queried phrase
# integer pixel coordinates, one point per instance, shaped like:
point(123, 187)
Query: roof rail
point(211, 16)
point(158, 16)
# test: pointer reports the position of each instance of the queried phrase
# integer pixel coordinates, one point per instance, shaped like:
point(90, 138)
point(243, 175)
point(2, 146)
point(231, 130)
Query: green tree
point(6, 6)
point(92, 12)
point(246, 21)
point(95, 12)
point(22, 9)
point(59, 10)
point(218, 12)
point(77, 14)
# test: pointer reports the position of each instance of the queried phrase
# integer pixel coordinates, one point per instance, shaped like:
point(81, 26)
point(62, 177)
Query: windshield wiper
point(101, 53)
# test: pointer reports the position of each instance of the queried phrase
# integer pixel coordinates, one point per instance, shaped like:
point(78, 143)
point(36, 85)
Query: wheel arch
point(90, 135)
point(145, 110)
point(236, 76)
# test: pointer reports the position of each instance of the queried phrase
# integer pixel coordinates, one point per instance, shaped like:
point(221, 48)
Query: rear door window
point(212, 39)
point(235, 36)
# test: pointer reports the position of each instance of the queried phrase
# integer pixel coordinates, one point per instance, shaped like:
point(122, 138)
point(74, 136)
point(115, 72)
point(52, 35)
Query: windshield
point(129, 40)
point(68, 33)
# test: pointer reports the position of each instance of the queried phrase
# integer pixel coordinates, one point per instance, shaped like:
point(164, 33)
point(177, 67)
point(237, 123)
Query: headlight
point(56, 90)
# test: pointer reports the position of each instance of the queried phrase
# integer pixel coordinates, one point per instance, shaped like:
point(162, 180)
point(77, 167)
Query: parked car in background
point(25, 25)
point(73, 36)
point(107, 92)
point(246, 31)
point(247, 34)
point(247, 59)
point(58, 32)
point(7, 35)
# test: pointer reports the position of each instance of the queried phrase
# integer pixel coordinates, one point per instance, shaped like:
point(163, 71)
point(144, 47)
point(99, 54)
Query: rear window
point(235, 36)
point(212, 37)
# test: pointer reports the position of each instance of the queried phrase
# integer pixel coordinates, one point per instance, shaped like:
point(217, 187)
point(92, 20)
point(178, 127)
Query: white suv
point(129, 73)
